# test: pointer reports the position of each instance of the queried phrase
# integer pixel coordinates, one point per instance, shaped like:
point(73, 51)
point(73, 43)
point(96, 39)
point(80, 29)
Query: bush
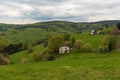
point(113, 43)
point(24, 60)
point(73, 40)
point(104, 44)
point(4, 59)
point(46, 55)
point(87, 48)
point(29, 47)
point(118, 26)
point(108, 43)
point(118, 45)
point(78, 45)
point(103, 49)
point(37, 56)
point(67, 43)
point(115, 31)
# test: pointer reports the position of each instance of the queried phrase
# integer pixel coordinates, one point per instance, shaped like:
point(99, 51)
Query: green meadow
point(94, 40)
point(75, 66)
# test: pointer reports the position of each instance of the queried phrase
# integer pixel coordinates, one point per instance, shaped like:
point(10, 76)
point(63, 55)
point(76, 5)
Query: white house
point(64, 49)
point(93, 32)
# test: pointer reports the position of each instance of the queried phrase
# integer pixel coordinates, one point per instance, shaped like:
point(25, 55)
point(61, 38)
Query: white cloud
point(27, 11)
point(26, 7)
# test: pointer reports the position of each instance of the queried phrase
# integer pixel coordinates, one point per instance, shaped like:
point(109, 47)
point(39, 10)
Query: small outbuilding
point(64, 49)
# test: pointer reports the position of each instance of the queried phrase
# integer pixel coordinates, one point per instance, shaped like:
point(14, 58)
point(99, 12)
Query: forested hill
point(62, 25)
point(41, 30)
point(107, 23)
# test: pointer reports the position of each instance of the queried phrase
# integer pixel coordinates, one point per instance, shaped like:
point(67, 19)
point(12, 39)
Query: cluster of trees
point(52, 49)
point(80, 46)
point(7, 48)
point(108, 44)
point(54, 43)
point(115, 30)
point(110, 41)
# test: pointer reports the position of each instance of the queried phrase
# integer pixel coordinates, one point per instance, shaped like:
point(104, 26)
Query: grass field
point(17, 57)
point(92, 66)
point(94, 40)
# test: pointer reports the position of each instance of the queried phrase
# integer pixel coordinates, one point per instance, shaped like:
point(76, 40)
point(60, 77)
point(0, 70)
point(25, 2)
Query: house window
point(61, 51)
point(65, 48)
point(66, 51)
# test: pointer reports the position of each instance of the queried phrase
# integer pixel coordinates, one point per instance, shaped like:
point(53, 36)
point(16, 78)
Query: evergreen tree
point(73, 40)
point(118, 26)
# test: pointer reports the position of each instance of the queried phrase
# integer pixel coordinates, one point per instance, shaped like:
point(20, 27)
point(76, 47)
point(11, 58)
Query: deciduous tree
point(55, 42)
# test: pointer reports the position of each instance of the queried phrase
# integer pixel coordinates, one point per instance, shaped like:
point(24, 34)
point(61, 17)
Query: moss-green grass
point(92, 66)
point(94, 40)
point(17, 57)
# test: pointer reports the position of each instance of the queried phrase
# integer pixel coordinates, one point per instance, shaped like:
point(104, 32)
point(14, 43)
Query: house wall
point(63, 50)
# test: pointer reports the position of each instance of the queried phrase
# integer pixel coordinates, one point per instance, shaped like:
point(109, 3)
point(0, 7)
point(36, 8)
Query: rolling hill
point(41, 30)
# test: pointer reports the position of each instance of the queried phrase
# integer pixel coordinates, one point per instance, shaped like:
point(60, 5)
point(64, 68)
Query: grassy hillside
point(19, 56)
point(29, 34)
point(94, 40)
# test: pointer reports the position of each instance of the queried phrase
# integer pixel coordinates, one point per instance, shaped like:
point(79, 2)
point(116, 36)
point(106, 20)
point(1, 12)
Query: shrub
point(37, 56)
point(46, 55)
point(103, 48)
point(78, 45)
point(118, 45)
point(29, 47)
point(24, 60)
point(115, 31)
point(118, 26)
point(4, 59)
point(108, 43)
point(87, 48)
point(73, 40)
point(67, 43)
point(112, 43)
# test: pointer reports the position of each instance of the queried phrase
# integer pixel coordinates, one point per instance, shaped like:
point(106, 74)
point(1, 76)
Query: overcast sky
point(29, 11)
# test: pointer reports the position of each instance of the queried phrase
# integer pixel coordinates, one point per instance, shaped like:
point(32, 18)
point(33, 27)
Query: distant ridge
point(62, 25)
point(58, 21)
point(106, 22)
